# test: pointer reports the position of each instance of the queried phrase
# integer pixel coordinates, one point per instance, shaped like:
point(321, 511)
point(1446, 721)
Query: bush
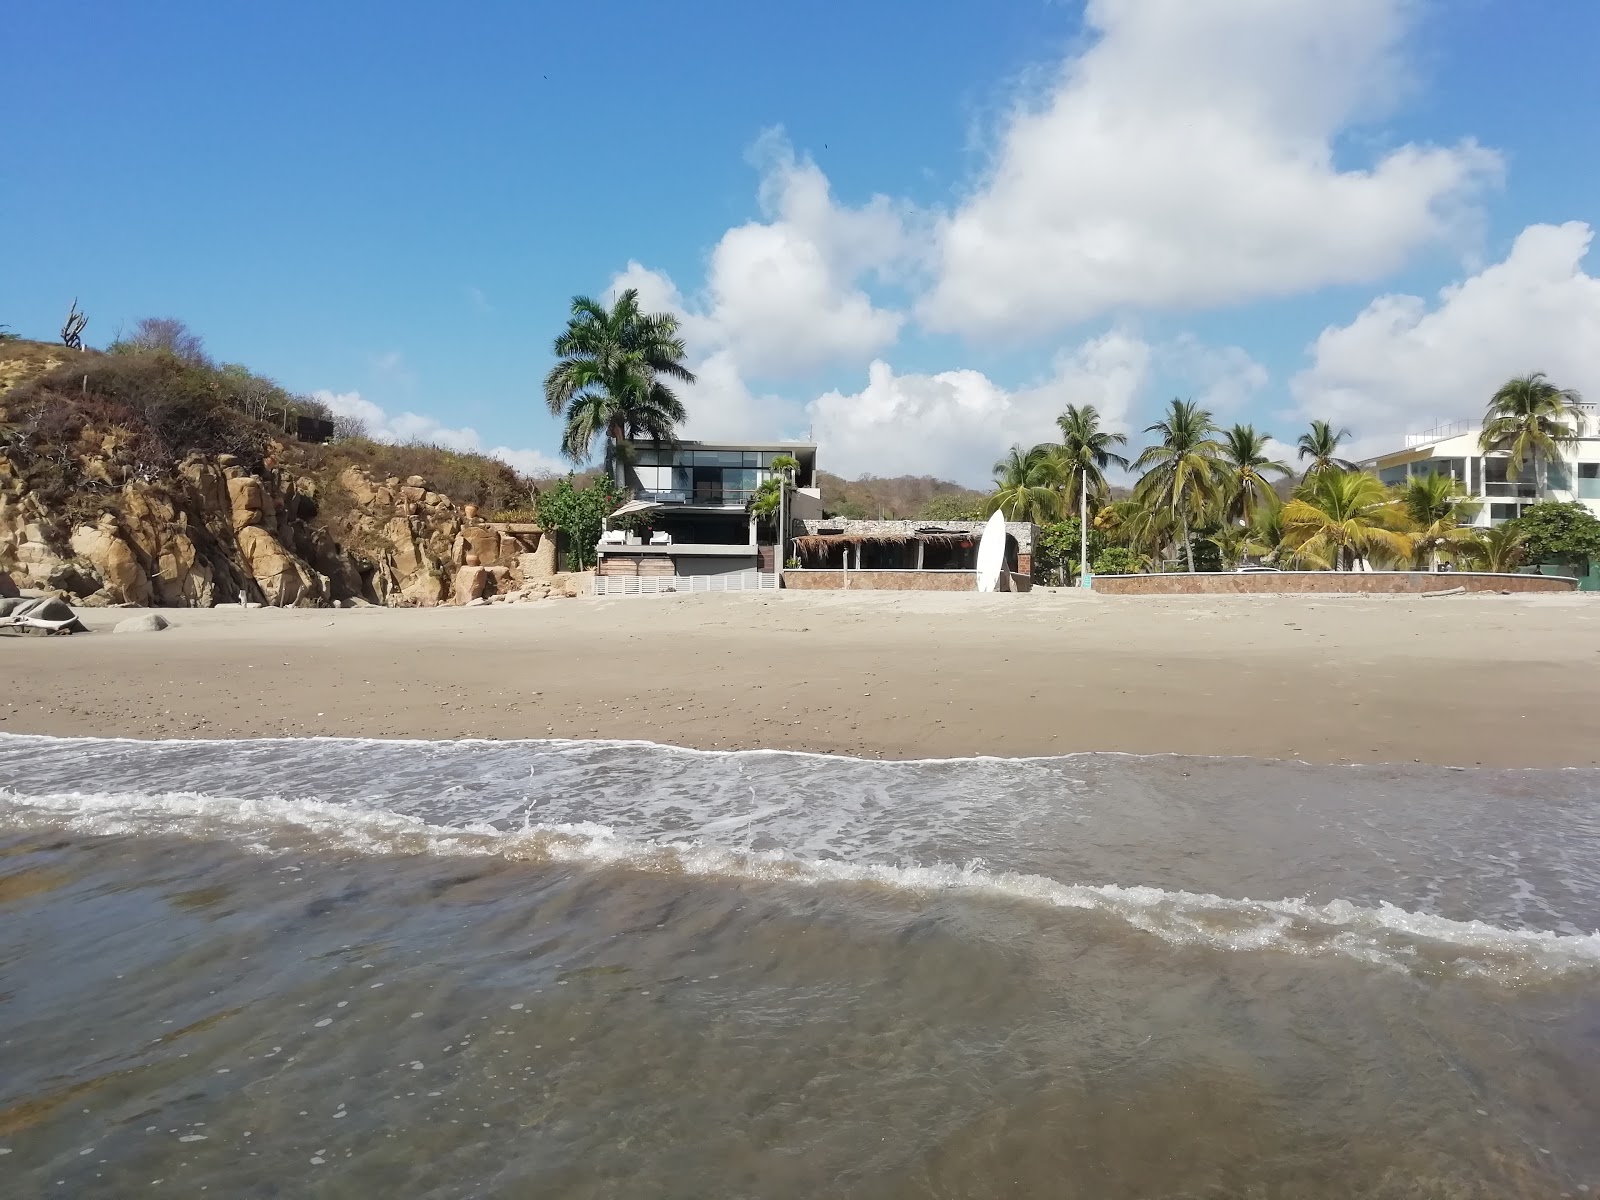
point(579, 513)
point(1056, 549)
point(1116, 560)
point(1561, 533)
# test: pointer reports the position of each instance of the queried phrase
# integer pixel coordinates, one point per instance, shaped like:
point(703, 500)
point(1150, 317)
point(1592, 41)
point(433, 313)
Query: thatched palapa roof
point(820, 543)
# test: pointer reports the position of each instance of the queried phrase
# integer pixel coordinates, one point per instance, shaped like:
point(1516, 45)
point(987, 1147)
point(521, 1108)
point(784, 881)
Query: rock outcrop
point(215, 531)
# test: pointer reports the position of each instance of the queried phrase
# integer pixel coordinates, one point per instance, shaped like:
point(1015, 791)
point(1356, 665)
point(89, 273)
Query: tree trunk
point(1188, 546)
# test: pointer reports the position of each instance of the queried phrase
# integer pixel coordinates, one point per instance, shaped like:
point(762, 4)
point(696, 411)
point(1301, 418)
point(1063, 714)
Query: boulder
point(114, 561)
point(148, 623)
point(356, 482)
point(471, 584)
point(284, 580)
point(248, 500)
point(8, 586)
point(76, 577)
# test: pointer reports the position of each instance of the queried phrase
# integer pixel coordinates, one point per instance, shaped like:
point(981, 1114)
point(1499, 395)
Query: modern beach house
point(691, 529)
point(692, 504)
point(1453, 450)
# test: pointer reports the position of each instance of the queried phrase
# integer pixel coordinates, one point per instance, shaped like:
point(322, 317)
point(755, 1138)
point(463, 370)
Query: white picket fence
point(656, 585)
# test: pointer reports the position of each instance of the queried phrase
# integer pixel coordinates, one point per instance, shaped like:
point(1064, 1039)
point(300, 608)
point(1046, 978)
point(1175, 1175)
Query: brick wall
point(882, 581)
point(1406, 582)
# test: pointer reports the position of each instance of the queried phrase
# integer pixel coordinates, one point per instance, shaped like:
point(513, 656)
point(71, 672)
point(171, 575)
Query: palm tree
point(1244, 482)
point(1086, 451)
point(1336, 517)
point(1142, 530)
point(1181, 471)
point(608, 381)
point(1028, 485)
point(1264, 538)
point(1321, 446)
point(1529, 417)
point(1500, 548)
point(1438, 509)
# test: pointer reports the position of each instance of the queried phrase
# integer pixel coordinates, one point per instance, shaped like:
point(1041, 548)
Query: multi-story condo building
point(1453, 450)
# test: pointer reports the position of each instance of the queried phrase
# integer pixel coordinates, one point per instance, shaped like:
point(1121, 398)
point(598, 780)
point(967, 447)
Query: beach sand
point(1469, 680)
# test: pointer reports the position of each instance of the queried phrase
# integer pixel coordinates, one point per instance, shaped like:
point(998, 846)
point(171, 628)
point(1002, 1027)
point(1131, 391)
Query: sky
point(912, 233)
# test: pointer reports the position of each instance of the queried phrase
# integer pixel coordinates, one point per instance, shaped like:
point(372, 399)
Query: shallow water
point(337, 968)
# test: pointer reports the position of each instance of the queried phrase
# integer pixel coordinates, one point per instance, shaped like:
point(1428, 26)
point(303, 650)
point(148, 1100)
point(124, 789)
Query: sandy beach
point(1493, 681)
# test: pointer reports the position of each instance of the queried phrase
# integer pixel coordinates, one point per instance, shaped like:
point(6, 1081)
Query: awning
point(635, 506)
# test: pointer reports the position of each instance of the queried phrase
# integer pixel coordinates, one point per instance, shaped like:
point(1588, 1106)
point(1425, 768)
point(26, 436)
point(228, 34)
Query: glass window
point(1556, 477)
point(1589, 470)
point(752, 458)
point(1503, 512)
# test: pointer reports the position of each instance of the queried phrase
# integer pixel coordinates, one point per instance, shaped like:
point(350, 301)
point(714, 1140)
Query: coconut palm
point(1244, 471)
point(1181, 471)
point(1500, 549)
point(1264, 536)
point(1530, 418)
point(1321, 445)
point(1438, 509)
point(1144, 531)
point(1086, 451)
point(1028, 485)
point(1336, 517)
point(609, 380)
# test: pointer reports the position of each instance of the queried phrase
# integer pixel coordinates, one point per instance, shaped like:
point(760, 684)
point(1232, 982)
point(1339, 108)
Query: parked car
point(1257, 571)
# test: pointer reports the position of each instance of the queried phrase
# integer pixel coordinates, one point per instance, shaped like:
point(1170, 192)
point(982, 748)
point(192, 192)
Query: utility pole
point(1083, 530)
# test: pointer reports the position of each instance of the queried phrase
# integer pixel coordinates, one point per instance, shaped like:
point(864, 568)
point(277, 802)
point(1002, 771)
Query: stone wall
point(1342, 582)
point(893, 581)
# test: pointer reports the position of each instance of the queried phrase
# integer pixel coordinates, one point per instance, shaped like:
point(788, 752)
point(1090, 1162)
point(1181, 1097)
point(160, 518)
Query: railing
point(725, 497)
point(655, 585)
point(1439, 432)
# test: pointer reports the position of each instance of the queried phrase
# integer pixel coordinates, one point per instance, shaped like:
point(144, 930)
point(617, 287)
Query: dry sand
point(1491, 680)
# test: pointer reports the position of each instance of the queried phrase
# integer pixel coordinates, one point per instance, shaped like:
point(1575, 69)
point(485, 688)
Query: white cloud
point(1187, 159)
point(1401, 365)
point(781, 295)
point(1225, 378)
point(955, 424)
point(401, 428)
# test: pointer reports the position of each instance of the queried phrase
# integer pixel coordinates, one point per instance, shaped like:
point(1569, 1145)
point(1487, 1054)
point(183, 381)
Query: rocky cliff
point(89, 509)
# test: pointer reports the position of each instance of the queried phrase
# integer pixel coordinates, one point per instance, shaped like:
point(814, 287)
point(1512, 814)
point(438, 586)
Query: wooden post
point(921, 546)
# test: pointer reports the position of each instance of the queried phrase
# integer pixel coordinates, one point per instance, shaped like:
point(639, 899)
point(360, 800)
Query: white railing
point(656, 585)
point(1439, 432)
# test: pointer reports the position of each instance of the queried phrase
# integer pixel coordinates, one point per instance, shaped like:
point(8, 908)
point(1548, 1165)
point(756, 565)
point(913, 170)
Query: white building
point(1453, 450)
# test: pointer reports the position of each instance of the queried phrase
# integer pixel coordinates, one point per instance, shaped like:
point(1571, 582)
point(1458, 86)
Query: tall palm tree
point(1181, 470)
point(1321, 445)
point(1500, 548)
point(1027, 485)
point(1531, 418)
point(609, 380)
point(1336, 517)
point(1086, 450)
point(1245, 467)
point(1265, 536)
point(1438, 509)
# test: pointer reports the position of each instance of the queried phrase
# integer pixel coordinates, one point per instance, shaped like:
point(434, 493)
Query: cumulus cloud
point(954, 424)
point(1403, 365)
point(401, 428)
point(782, 294)
point(1187, 158)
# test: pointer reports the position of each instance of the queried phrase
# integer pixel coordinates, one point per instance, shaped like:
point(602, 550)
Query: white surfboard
point(992, 554)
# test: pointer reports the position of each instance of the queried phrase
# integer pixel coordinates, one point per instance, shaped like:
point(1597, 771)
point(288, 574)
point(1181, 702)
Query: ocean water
point(332, 968)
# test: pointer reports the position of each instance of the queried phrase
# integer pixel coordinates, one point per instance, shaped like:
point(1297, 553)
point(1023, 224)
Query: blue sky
point(915, 232)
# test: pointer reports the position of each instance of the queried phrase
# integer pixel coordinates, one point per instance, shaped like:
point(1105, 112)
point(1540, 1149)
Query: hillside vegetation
point(903, 497)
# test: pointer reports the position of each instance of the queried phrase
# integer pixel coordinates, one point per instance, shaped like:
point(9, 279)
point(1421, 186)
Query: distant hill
point(903, 497)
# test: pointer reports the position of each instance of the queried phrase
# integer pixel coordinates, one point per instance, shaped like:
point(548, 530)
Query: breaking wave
point(1382, 933)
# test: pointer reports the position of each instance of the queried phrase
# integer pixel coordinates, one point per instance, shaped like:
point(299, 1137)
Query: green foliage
point(7, 336)
point(1321, 445)
point(767, 501)
point(1056, 549)
point(850, 510)
point(1244, 470)
point(1501, 549)
point(1117, 560)
point(1182, 471)
point(952, 506)
point(1339, 516)
point(1086, 451)
point(1206, 550)
point(1530, 419)
point(784, 464)
point(1028, 485)
point(1564, 533)
point(609, 381)
point(1437, 507)
point(579, 513)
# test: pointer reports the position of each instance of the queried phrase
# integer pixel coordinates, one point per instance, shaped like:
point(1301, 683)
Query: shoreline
point(1502, 681)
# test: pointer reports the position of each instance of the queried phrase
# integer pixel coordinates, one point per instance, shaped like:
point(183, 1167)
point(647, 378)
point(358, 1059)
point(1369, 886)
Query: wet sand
point(1471, 680)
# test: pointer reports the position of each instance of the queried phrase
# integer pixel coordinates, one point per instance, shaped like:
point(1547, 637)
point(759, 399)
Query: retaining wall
point(1345, 582)
point(894, 581)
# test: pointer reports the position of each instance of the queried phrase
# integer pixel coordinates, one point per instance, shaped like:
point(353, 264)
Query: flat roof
point(682, 443)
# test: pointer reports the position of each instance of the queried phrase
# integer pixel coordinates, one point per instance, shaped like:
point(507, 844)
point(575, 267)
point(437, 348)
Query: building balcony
point(707, 497)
